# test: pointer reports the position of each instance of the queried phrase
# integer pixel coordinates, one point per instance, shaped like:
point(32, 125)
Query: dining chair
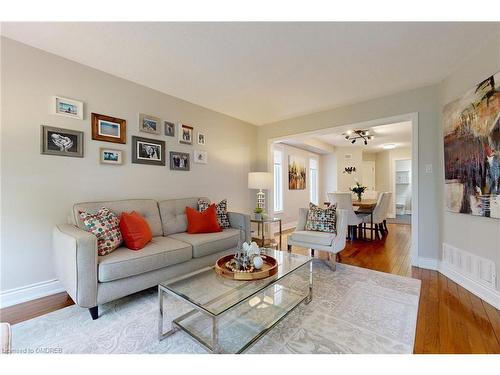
point(370, 194)
point(343, 201)
point(379, 214)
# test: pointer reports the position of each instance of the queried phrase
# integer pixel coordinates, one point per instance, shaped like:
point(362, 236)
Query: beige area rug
point(354, 310)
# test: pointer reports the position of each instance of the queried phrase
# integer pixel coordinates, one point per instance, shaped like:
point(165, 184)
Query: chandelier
point(354, 135)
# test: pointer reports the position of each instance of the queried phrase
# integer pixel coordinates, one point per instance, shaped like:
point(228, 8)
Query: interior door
point(368, 174)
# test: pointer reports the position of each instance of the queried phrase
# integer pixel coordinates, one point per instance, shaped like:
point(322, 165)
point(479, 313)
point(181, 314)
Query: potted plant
point(358, 189)
point(258, 213)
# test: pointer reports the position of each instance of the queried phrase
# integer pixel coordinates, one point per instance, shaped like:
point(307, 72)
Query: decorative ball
point(258, 262)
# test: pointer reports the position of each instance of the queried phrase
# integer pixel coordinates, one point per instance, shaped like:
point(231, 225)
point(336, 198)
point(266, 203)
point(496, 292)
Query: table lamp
point(260, 181)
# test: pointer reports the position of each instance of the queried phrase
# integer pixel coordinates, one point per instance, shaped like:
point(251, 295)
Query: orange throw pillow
point(202, 222)
point(135, 230)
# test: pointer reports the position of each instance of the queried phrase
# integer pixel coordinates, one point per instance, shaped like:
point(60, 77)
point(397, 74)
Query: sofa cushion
point(105, 225)
point(320, 238)
point(209, 243)
point(321, 219)
point(160, 252)
point(221, 207)
point(173, 214)
point(148, 209)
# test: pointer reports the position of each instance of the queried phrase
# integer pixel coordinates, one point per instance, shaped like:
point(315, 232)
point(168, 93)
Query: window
point(278, 181)
point(313, 178)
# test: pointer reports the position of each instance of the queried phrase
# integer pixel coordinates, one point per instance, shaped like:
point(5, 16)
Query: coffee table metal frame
point(214, 347)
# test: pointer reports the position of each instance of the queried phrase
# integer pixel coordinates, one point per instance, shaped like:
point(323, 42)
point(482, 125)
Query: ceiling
point(398, 134)
point(264, 72)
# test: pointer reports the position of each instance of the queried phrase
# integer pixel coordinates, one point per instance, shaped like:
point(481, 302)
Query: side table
point(260, 228)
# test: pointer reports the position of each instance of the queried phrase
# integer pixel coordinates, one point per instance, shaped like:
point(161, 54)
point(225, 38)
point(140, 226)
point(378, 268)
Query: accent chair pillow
point(135, 230)
point(221, 209)
point(321, 219)
point(202, 222)
point(106, 227)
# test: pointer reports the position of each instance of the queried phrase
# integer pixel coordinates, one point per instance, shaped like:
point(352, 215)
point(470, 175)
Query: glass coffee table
point(229, 316)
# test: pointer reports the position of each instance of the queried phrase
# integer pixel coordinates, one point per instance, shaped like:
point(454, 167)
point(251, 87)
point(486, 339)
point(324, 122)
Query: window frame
point(278, 191)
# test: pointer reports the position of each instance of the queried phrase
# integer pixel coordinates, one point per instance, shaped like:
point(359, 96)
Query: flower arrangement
point(358, 189)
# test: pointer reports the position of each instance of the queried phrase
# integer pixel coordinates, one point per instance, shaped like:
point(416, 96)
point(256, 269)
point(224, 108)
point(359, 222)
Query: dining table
point(365, 206)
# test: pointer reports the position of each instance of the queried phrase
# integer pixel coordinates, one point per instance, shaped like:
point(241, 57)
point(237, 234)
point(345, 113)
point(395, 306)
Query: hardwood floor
point(450, 319)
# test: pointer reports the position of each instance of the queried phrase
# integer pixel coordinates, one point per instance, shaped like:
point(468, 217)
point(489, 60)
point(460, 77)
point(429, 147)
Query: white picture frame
point(200, 157)
point(110, 156)
point(201, 138)
point(67, 107)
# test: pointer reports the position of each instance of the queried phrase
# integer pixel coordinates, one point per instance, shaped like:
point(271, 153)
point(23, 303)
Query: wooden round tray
point(269, 268)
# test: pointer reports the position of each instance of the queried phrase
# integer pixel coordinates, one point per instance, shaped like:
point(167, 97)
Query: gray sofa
point(92, 280)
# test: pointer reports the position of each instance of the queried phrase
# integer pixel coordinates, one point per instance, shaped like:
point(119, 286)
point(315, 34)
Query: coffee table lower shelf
point(241, 326)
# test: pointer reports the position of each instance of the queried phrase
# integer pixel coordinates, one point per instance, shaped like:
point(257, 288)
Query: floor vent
point(476, 268)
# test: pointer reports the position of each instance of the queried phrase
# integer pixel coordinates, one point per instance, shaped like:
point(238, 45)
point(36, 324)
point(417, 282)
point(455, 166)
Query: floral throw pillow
point(105, 225)
point(321, 219)
point(221, 209)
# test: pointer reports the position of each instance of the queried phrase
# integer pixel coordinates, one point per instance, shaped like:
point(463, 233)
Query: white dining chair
point(343, 201)
point(370, 194)
point(379, 214)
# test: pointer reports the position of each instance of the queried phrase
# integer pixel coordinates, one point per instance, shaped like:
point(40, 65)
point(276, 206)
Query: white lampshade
point(260, 180)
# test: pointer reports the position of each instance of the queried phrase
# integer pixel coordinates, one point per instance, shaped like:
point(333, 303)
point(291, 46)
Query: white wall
point(328, 175)
point(346, 180)
point(477, 235)
point(38, 191)
point(295, 199)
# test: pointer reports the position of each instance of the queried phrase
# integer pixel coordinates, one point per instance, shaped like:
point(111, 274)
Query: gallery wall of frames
point(110, 129)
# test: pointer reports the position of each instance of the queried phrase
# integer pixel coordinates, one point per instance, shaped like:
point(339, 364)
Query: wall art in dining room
point(296, 173)
point(472, 150)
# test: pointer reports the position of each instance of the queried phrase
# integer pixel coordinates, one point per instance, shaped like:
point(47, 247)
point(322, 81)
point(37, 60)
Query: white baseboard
point(489, 295)
point(428, 263)
point(30, 292)
point(486, 293)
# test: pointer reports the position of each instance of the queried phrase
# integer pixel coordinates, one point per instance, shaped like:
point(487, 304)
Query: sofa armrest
point(75, 255)
point(242, 222)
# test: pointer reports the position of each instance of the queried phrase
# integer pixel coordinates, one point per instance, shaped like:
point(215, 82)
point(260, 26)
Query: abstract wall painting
point(296, 173)
point(472, 151)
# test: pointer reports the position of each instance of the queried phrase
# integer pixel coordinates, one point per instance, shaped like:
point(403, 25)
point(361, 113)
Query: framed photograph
point(179, 161)
point(200, 157)
point(201, 138)
point(111, 156)
point(185, 134)
point(149, 124)
point(169, 128)
point(61, 142)
point(108, 129)
point(67, 107)
point(148, 151)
